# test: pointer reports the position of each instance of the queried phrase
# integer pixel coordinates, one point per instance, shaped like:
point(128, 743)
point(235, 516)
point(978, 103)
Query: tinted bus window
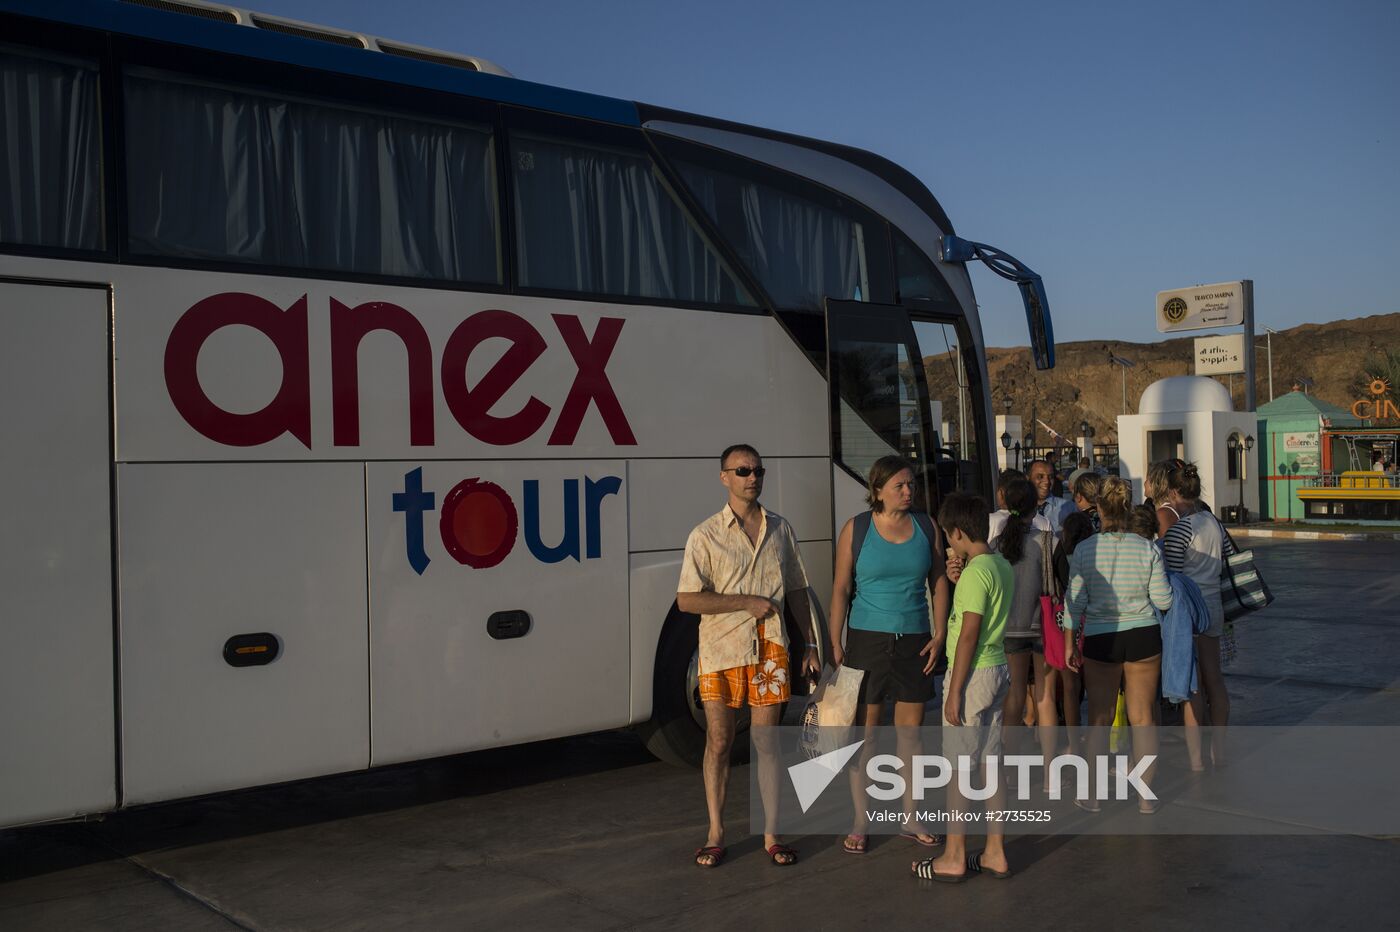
point(218, 172)
point(918, 276)
point(50, 151)
point(599, 221)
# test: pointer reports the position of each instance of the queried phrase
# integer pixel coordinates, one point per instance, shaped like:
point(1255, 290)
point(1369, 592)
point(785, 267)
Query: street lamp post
point(1232, 443)
point(1124, 365)
point(1005, 443)
point(1028, 446)
point(1086, 431)
point(1244, 457)
point(1239, 449)
point(1269, 343)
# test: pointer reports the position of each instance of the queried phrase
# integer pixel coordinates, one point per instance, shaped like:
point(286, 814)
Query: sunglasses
point(743, 472)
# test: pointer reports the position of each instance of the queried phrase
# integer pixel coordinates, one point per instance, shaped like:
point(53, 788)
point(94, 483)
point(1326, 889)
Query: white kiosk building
point(1192, 417)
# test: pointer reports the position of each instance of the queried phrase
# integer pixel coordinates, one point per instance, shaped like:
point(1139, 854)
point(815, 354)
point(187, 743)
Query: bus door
point(878, 399)
point(57, 697)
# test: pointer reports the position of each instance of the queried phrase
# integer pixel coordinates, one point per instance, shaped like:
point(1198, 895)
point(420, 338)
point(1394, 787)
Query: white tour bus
point(358, 398)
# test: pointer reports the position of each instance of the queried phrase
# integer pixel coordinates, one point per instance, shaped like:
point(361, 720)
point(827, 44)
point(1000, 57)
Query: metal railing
point(1354, 480)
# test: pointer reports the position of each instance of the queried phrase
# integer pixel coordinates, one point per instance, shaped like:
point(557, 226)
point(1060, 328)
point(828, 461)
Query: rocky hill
point(1084, 385)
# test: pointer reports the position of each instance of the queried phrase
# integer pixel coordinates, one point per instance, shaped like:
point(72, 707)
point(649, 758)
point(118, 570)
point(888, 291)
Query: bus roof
point(172, 24)
point(189, 24)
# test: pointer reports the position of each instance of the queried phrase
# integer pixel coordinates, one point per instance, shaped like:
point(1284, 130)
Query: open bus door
point(879, 402)
point(894, 376)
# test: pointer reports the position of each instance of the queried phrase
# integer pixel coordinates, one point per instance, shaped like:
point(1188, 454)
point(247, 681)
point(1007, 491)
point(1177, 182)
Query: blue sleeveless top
point(890, 584)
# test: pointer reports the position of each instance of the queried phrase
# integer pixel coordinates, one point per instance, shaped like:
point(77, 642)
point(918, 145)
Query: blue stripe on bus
point(184, 29)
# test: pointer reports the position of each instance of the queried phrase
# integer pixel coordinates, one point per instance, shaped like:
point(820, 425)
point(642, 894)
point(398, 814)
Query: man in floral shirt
point(739, 566)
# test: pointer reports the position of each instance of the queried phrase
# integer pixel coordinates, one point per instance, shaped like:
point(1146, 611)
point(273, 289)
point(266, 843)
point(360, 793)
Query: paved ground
point(590, 833)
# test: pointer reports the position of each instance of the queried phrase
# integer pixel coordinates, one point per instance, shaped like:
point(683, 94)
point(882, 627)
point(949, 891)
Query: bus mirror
point(955, 249)
point(1038, 321)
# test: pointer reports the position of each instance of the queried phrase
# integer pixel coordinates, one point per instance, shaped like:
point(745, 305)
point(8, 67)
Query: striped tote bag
point(1242, 586)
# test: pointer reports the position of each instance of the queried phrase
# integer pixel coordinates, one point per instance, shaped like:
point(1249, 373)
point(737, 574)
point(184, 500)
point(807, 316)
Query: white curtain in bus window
point(222, 173)
point(50, 151)
point(800, 251)
point(599, 221)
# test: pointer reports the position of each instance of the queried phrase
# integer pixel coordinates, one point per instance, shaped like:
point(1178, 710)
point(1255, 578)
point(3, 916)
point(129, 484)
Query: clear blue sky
point(1118, 148)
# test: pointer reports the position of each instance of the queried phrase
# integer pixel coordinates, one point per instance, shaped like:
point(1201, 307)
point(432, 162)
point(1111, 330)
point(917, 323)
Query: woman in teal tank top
point(879, 601)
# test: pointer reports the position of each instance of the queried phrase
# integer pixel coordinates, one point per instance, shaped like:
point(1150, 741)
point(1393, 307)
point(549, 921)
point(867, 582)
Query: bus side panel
point(539, 546)
point(57, 738)
point(210, 551)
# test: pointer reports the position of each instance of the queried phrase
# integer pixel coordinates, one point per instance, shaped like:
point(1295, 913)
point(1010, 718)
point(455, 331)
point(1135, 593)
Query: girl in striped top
point(1195, 545)
point(1115, 580)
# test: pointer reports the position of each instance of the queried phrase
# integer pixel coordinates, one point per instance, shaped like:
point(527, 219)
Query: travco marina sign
point(1201, 307)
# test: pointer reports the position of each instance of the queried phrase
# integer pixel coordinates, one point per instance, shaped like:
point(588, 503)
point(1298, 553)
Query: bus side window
point(801, 243)
point(50, 151)
point(598, 220)
point(216, 171)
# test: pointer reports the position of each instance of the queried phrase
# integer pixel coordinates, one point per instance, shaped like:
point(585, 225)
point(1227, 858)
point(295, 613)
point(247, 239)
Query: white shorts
point(980, 733)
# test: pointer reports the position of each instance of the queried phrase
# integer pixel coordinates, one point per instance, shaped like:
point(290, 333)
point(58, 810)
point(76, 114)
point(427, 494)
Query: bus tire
point(676, 732)
point(673, 734)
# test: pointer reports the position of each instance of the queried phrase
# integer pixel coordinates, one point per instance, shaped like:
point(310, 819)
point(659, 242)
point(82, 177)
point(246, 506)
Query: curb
point(1312, 535)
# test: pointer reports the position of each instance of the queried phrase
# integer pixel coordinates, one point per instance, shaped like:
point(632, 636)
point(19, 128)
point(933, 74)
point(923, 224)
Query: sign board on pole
point(1220, 355)
point(1201, 308)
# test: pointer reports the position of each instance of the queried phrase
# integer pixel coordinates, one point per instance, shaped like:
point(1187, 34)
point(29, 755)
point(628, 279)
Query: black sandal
point(712, 851)
point(778, 851)
point(974, 865)
point(924, 871)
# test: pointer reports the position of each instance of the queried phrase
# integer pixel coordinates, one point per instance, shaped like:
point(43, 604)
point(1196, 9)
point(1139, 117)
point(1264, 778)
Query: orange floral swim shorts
point(758, 684)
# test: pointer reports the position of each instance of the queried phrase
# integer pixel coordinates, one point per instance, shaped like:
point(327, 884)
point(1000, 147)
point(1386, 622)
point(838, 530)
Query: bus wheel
point(676, 732)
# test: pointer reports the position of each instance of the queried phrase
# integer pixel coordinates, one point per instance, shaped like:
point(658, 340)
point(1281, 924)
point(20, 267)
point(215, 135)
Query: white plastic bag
point(831, 711)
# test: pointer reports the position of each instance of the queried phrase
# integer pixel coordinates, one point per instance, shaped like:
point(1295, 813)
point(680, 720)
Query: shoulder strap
point(925, 524)
point(1048, 583)
point(1228, 547)
point(860, 526)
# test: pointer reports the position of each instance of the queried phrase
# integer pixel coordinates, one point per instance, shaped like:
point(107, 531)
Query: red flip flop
point(715, 852)
point(775, 851)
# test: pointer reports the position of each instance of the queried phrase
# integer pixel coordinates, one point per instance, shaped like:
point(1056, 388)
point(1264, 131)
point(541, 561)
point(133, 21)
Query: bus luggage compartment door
point(538, 546)
point(57, 738)
point(226, 566)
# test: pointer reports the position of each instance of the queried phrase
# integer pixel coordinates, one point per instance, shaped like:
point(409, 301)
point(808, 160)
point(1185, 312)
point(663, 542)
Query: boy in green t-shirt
point(977, 681)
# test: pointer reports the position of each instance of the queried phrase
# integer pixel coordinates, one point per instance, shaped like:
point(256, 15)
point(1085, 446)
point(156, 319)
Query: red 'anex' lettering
point(471, 406)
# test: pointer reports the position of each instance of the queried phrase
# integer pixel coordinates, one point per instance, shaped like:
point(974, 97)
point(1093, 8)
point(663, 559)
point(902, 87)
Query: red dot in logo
point(478, 523)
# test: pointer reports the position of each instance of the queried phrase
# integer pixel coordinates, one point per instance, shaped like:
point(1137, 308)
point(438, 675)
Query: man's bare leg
point(765, 720)
point(719, 741)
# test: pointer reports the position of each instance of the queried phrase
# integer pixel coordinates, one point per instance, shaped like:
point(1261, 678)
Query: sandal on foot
point(924, 871)
point(918, 838)
point(709, 851)
point(855, 844)
point(782, 855)
point(1088, 805)
point(975, 865)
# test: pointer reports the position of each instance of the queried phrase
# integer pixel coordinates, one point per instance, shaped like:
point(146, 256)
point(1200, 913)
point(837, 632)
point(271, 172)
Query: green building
point(1290, 451)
